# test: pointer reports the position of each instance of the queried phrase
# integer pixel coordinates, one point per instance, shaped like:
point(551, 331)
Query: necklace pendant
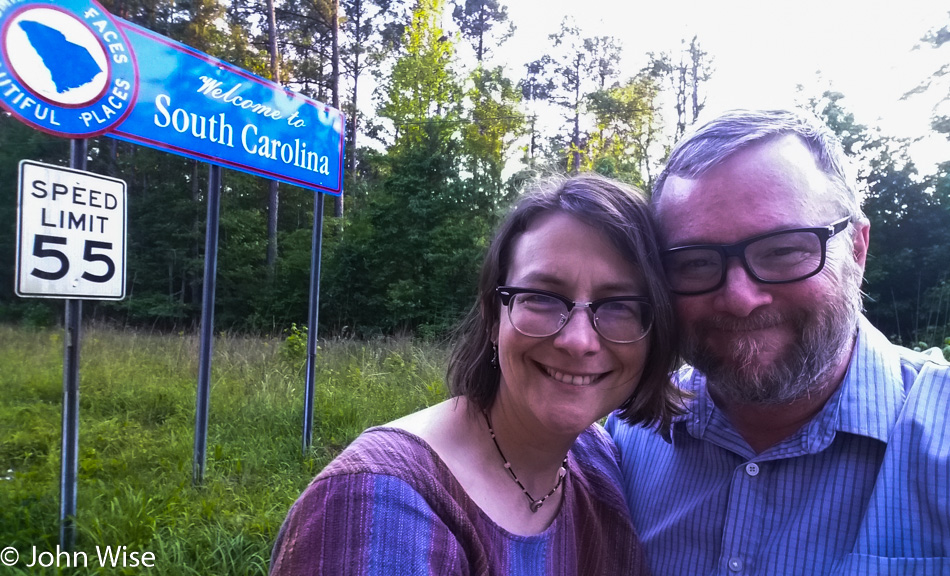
point(533, 504)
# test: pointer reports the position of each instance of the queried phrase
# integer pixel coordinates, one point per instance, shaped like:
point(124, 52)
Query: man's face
point(765, 343)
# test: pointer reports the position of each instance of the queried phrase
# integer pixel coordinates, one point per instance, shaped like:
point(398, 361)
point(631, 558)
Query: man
point(810, 444)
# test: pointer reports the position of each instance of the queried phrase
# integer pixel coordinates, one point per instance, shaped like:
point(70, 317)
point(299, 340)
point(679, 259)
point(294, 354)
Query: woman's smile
point(573, 379)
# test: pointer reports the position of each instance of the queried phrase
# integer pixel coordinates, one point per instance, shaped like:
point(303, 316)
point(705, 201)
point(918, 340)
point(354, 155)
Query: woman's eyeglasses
point(539, 314)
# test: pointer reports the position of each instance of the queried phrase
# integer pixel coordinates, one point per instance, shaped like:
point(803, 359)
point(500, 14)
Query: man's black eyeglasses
point(539, 313)
point(773, 258)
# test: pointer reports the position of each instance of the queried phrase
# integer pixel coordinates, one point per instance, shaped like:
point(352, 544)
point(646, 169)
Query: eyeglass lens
point(540, 315)
point(784, 257)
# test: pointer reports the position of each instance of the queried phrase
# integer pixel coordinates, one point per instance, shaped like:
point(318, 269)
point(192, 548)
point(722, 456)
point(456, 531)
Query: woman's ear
point(493, 329)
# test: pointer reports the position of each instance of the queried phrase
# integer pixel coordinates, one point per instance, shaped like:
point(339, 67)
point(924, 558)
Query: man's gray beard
point(825, 334)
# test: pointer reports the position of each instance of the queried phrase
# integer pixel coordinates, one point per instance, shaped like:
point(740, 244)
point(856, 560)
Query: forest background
point(448, 141)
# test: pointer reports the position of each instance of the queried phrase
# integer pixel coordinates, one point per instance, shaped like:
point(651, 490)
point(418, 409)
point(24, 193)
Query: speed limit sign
point(71, 228)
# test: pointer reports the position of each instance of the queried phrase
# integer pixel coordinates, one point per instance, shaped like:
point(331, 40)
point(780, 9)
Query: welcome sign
point(71, 69)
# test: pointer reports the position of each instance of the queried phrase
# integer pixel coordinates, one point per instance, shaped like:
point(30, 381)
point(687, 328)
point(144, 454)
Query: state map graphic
point(70, 65)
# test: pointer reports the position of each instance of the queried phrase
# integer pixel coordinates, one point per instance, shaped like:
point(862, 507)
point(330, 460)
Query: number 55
point(88, 255)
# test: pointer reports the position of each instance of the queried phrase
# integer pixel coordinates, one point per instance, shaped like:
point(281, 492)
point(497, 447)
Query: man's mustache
point(758, 321)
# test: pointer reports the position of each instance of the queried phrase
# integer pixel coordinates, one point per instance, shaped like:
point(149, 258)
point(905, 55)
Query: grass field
point(136, 440)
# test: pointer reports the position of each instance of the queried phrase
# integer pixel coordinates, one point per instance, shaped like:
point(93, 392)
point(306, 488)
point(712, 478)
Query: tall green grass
point(136, 439)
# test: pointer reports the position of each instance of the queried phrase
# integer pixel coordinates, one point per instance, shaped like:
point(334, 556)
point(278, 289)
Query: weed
point(136, 437)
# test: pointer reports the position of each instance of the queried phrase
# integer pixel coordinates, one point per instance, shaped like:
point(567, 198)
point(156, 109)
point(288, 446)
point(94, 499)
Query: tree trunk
point(338, 201)
point(273, 196)
point(481, 33)
point(696, 56)
point(357, 22)
point(576, 138)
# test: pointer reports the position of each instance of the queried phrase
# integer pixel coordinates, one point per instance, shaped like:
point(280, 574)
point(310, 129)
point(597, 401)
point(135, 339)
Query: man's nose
point(741, 294)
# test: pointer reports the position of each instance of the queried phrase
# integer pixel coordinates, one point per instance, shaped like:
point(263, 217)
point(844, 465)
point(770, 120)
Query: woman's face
point(565, 382)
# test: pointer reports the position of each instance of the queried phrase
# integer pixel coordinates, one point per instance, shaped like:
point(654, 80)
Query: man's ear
point(860, 239)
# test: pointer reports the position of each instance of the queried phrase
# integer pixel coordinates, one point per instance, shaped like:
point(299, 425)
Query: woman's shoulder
point(601, 507)
point(402, 446)
point(596, 463)
point(383, 450)
point(595, 447)
point(383, 468)
point(385, 477)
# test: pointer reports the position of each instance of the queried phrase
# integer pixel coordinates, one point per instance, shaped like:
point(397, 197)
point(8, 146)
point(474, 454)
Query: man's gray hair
point(714, 142)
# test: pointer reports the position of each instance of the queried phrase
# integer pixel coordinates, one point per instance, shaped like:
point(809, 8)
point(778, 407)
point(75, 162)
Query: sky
point(763, 49)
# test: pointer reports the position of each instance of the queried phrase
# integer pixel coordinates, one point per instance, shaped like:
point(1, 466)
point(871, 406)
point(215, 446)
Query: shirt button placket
point(743, 525)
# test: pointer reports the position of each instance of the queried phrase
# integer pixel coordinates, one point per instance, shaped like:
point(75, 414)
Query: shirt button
point(735, 564)
point(752, 469)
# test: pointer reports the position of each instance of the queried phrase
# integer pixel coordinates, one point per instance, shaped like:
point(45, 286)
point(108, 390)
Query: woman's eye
point(619, 309)
point(538, 301)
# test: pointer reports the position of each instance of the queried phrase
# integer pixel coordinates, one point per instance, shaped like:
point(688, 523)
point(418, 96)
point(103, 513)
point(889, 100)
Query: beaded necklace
point(533, 504)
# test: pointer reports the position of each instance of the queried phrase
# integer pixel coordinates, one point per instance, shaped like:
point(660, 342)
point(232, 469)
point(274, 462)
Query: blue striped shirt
point(864, 488)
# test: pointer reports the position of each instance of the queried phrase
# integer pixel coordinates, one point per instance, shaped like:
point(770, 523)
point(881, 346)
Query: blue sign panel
point(198, 106)
point(71, 69)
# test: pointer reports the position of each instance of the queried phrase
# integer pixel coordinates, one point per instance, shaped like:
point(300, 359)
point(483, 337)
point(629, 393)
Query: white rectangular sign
point(71, 228)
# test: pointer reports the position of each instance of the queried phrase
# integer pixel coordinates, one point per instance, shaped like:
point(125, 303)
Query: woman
point(512, 476)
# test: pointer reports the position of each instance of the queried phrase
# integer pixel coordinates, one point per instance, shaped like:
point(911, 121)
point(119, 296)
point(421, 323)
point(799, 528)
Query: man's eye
point(698, 263)
point(789, 253)
point(695, 265)
point(783, 252)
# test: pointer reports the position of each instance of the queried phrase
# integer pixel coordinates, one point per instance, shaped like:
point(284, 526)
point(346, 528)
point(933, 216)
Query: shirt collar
point(873, 388)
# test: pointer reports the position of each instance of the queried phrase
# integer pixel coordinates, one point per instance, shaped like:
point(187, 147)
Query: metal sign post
point(314, 315)
point(68, 486)
point(70, 451)
point(207, 324)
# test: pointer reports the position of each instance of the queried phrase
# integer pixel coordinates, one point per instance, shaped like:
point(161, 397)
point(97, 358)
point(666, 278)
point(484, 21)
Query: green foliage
point(628, 131)
point(478, 19)
point(304, 39)
point(687, 71)
point(294, 347)
point(576, 66)
point(907, 288)
point(495, 123)
point(137, 431)
point(409, 259)
point(423, 90)
point(419, 211)
point(421, 207)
